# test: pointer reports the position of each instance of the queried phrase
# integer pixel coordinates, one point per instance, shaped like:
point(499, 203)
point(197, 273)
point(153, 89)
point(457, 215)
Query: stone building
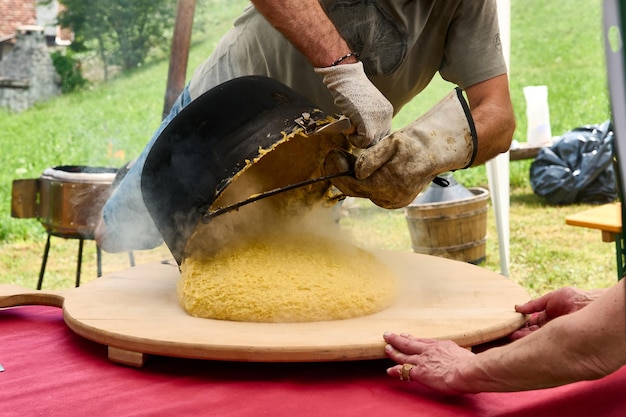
point(27, 74)
point(13, 14)
point(28, 32)
point(17, 13)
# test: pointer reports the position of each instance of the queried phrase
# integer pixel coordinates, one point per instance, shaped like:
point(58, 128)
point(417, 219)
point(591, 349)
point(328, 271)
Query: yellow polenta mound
point(288, 278)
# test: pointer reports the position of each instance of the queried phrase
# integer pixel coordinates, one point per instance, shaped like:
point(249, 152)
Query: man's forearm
point(305, 24)
point(494, 129)
point(493, 116)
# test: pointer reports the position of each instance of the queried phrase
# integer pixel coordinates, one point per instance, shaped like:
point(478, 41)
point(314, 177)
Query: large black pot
point(210, 141)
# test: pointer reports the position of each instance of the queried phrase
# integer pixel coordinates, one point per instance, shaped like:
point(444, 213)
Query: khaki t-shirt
point(402, 44)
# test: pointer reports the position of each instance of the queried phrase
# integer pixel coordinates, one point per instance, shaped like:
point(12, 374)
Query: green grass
point(556, 43)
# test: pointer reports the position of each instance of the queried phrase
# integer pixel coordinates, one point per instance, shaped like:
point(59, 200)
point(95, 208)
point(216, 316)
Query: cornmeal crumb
point(286, 278)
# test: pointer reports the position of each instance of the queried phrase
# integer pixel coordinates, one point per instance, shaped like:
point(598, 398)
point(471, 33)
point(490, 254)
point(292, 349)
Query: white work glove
point(358, 99)
point(394, 171)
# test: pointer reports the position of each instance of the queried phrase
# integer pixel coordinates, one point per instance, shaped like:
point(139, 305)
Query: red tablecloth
point(50, 371)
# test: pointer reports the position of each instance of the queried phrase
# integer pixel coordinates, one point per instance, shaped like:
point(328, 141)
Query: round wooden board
point(136, 312)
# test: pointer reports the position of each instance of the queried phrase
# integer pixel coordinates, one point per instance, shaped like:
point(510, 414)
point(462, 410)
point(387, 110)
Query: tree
point(123, 31)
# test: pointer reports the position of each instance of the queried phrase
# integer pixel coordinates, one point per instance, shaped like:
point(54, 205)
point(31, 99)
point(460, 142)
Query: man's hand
point(393, 172)
point(355, 95)
point(552, 305)
point(388, 173)
point(305, 24)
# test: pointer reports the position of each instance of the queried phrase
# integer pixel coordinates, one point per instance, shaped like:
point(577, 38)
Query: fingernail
point(386, 334)
point(388, 348)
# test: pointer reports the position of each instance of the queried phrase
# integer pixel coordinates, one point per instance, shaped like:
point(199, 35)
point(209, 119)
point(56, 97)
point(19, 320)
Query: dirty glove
point(355, 95)
point(394, 171)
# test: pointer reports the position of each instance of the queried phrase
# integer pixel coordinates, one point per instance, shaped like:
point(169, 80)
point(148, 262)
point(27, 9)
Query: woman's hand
point(552, 305)
point(432, 363)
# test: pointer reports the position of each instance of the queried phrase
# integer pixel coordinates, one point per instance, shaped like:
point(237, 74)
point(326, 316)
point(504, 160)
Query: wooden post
point(180, 52)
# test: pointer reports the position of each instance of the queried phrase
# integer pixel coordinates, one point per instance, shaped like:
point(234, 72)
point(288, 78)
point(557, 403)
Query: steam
point(295, 158)
point(285, 214)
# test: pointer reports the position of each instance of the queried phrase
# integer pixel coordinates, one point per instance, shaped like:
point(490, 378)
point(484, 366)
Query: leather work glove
point(394, 171)
point(356, 96)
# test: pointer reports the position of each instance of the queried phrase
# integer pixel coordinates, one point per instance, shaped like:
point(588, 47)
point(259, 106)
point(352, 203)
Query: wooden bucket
point(452, 229)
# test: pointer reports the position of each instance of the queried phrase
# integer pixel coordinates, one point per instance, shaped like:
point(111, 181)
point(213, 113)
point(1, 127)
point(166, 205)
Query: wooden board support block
point(127, 357)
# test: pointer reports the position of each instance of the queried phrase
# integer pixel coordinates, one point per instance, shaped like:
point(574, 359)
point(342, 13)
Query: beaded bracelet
point(346, 56)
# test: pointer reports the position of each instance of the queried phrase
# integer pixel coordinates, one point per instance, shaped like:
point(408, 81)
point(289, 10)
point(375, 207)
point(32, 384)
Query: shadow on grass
point(528, 199)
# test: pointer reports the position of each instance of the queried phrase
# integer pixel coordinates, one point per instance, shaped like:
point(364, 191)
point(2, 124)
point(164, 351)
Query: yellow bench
point(608, 219)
